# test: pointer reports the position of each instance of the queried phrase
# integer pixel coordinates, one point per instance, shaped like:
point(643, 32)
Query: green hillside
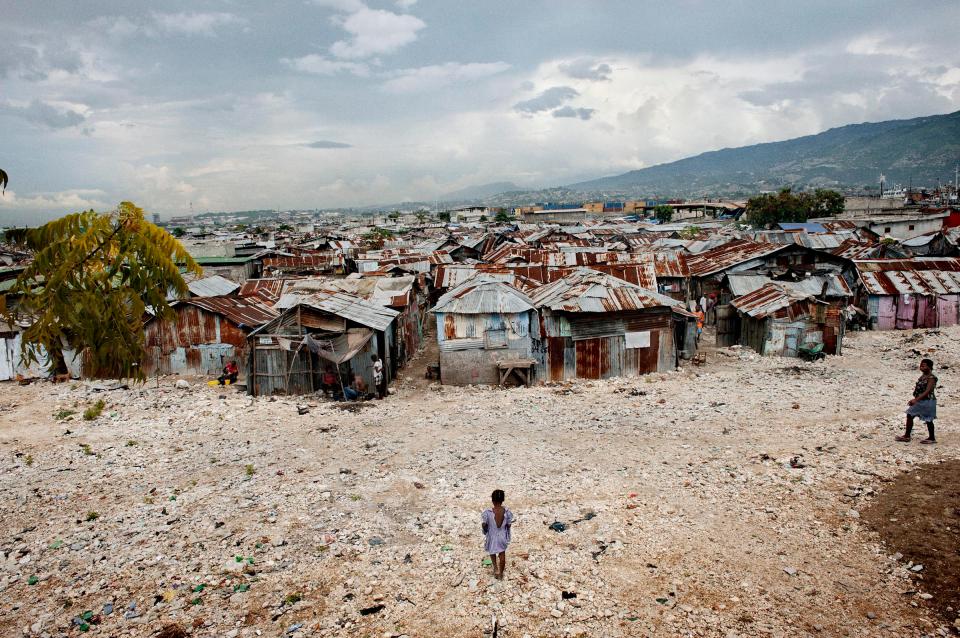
point(917, 151)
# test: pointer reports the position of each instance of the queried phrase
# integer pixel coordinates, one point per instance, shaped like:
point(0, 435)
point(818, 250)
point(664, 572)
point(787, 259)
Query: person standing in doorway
point(378, 379)
point(923, 405)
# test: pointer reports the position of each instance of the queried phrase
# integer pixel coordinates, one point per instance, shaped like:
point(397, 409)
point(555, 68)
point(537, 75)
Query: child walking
point(496, 522)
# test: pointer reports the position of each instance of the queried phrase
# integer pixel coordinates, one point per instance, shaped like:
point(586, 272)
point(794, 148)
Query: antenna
point(882, 178)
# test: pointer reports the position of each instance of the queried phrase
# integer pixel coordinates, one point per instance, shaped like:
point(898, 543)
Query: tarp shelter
point(327, 328)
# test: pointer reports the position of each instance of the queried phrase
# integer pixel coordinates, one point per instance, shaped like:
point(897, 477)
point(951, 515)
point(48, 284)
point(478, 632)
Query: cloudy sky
point(323, 103)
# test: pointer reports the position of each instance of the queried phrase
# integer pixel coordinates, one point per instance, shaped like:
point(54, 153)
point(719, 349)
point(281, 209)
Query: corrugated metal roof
point(742, 284)
point(768, 300)
point(670, 264)
point(840, 224)
point(453, 275)
point(586, 290)
point(730, 254)
point(246, 313)
point(917, 276)
point(483, 295)
point(852, 249)
point(304, 261)
point(213, 286)
point(810, 227)
point(269, 289)
point(351, 307)
point(386, 291)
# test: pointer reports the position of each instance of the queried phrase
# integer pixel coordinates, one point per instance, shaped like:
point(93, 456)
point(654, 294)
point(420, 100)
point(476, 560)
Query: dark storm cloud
point(44, 114)
point(549, 99)
point(569, 111)
point(584, 69)
point(327, 144)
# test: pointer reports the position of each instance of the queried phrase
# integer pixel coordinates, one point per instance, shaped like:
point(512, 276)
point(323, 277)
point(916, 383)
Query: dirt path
point(717, 501)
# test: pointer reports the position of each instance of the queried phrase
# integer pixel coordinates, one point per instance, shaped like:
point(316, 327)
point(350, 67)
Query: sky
point(238, 105)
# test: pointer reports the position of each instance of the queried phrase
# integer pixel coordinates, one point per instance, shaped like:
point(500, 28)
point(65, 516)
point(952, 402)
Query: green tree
point(4, 178)
point(483, 218)
point(179, 232)
point(444, 215)
point(421, 216)
point(827, 203)
point(503, 217)
point(379, 233)
point(92, 280)
point(394, 215)
point(786, 206)
point(663, 213)
point(690, 232)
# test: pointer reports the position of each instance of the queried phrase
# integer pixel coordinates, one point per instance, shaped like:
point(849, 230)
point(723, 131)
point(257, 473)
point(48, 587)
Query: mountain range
point(916, 151)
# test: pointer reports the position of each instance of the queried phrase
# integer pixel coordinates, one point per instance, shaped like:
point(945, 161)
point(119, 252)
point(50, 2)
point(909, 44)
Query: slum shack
point(325, 329)
point(900, 294)
point(206, 333)
point(481, 323)
point(596, 326)
point(780, 320)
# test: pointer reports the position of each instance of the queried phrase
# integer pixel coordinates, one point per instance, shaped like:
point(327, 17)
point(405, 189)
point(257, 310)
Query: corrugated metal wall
point(594, 346)
point(465, 357)
point(199, 342)
point(903, 312)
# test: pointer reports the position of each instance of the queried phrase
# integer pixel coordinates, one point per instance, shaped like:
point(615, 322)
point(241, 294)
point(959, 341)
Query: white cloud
point(405, 4)
point(195, 23)
point(59, 203)
point(320, 65)
point(433, 77)
point(375, 32)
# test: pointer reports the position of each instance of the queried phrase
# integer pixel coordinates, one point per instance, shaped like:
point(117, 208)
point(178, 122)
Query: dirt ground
point(743, 498)
point(918, 515)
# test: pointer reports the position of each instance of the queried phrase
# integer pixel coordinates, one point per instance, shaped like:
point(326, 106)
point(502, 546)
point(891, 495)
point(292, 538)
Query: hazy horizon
point(344, 103)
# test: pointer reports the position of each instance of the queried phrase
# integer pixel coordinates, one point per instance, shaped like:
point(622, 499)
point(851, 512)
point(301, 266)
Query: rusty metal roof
point(670, 264)
point(853, 249)
point(298, 261)
point(728, 255)
point(919, 276)
point(770, 300)
point(586, 290)
point(386, 291)
point(246, 313)
point(839, 224)
point(484, 295)
point(264, 288)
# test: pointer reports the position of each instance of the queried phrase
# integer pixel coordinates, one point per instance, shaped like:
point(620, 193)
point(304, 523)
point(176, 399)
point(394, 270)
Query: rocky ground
point(715, 501)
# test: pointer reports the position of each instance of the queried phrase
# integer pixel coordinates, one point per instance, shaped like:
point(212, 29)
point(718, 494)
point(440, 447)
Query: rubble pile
point(714, 501)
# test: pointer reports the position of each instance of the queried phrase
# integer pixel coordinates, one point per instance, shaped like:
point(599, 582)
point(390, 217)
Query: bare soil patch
point(918, 516)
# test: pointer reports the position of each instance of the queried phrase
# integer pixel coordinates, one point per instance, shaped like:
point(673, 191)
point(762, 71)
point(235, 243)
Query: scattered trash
point(372, 610)
point(557, 526)
point(303, 409)
point(568, 595)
